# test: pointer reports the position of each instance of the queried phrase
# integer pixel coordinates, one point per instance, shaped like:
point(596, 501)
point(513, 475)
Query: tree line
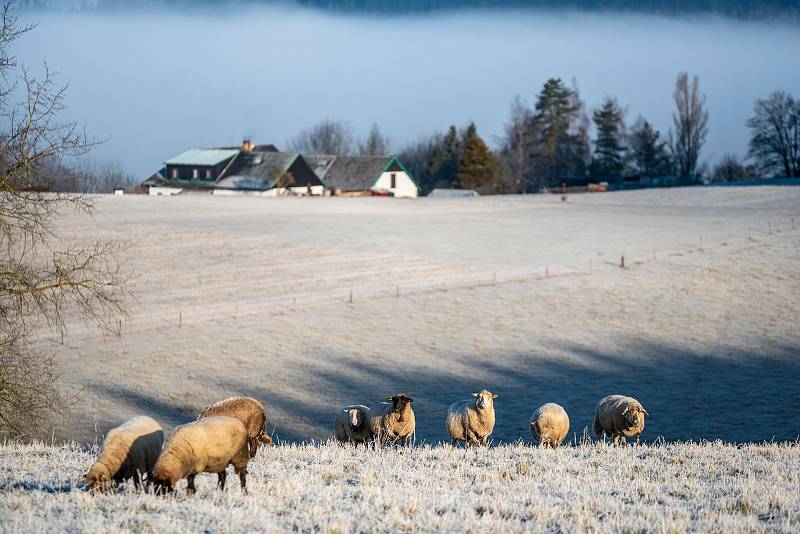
point(551, 143)
point(732, 8)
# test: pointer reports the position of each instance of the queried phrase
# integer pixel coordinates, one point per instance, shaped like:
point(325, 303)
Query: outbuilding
point(364, 175)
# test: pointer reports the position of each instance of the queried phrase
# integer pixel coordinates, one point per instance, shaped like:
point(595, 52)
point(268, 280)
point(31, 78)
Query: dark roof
point(157, 178)
point(256, 171)
point(349, 173)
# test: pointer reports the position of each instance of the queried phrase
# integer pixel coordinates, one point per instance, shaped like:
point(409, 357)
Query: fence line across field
point(343, 294)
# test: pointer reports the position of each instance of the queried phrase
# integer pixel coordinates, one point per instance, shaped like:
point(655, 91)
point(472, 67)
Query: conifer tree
point(561, 147)
point(609, 146)
point(648, 152)
point(476, 170)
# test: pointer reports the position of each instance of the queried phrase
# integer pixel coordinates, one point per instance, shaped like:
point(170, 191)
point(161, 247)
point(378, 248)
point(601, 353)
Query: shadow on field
point(166, 413)
point(35, 486)
point(731, 395)
point(726, 394)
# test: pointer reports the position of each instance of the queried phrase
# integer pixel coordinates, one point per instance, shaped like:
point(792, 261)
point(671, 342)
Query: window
point(194, 174)
point(174, 174)
point(394, 180)
point(208, 174)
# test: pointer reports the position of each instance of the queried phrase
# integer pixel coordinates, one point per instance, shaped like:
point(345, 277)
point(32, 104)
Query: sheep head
point(634, 415)
point(264, 438)
point(356, 417)
point(399, 403)
point(484, 399)
point(98, 478)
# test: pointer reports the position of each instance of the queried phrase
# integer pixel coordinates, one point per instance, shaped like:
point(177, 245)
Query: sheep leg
point(221, 480)
point(624, 442)
point(137, 481)
point(453, 442)
point(253, 447)
point(598, 430)
point(243, 480)
point(190, 489)
point(637, 439)
point(616, 439)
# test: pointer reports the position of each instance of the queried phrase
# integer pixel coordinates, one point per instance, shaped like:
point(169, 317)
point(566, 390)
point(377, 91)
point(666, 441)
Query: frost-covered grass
point(328, 488)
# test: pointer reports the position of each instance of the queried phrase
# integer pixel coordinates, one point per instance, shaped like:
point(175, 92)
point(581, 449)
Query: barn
point(364, 175)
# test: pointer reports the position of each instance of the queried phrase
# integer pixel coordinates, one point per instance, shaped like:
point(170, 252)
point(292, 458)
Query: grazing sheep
point(247, 410)
point(208, 445)
point(129, 451)
point(352, 424)
point(619, 416)
point(392, 421)
point(550, 424)
point(472, 420)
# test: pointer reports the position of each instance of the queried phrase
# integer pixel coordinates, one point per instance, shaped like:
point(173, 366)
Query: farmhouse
point(269, 174)
point(364, 175)
point(199, 165)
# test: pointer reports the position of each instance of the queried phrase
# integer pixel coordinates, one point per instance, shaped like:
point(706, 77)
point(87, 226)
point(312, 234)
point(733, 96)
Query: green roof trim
point(394, 159)
point(203, 157)
point(189, 183)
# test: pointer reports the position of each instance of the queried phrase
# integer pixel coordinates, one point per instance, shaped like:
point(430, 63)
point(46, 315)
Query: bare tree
point(326, 137)
point(96, 178)
point(730, 169)
point(775, 135)
point(518, 142)
point(40, 282)
point(691, 127)
point(375, 144)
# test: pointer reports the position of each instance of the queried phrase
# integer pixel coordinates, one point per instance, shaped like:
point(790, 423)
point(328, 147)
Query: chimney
point(247, 145)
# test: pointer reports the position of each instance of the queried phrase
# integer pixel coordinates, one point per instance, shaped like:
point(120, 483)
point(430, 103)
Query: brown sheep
point(619, 417)
point(129, 451)
point(352, 424)
point(393, 421)
point(247, 410)
point(208, 445)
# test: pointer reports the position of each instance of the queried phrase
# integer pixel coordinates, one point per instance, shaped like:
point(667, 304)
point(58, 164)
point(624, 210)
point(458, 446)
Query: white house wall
point(157, 191)
point(404, 185)
point(316, 190)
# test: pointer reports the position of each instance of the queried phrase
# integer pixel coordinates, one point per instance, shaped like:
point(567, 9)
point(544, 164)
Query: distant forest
point(739, 8)
point(734, 8)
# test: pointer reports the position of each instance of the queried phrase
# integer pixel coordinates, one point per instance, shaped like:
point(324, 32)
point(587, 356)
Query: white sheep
point(207, 445)
point(619, 417)
point(129, 451)
point(549, 424)
point(352, 424)
point(472, 420)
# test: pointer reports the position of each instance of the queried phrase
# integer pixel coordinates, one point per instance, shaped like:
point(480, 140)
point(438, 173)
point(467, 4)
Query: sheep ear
point(474, 394)
point(410, 399)
point(389, 398)
point(494, 395)
point(626, 410)
point(644, 411)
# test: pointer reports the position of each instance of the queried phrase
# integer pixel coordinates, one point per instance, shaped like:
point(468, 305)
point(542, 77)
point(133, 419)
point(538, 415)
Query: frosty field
point(329, 488)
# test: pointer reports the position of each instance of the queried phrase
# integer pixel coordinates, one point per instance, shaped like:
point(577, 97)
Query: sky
point(154, 83)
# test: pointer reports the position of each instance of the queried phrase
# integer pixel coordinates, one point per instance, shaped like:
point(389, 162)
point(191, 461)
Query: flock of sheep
point(229, 433)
